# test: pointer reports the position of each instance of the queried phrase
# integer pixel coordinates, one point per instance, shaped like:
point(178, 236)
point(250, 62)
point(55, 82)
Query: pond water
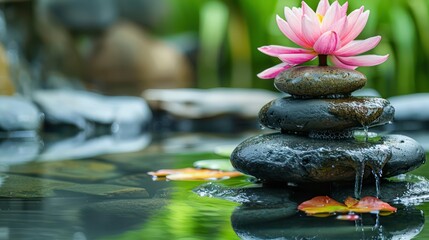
point(113, 197)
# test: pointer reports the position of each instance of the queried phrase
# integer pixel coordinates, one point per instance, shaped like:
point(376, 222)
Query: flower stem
point(323, 60)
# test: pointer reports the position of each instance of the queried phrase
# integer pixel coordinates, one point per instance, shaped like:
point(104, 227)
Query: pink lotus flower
point(328, 33)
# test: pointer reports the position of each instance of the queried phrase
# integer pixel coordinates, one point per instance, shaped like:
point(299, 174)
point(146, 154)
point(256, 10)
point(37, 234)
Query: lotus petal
point(295, 59)
point(358, 46)
point(275, 51)
point(327, 44)
point(363, 60)
point(274, 71)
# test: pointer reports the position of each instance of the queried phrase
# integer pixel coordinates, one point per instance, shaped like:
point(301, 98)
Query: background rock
point(80, 108)
point(129, 60)
point(18, 114)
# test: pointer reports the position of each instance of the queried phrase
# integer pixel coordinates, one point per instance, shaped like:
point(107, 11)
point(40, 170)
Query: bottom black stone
point(289, 158)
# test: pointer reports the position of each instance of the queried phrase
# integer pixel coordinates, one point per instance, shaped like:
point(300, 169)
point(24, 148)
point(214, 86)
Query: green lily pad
point(216, 164)
point(225, 151)
point(371, 137)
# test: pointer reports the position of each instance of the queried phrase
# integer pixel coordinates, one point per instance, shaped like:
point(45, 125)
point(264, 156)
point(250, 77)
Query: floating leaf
point(203, 175)
point(216, 164)
point(324, 204)
point(372, 204)
point(362, 136)
point(166, 172)
point(194, 174)
point(349, 202)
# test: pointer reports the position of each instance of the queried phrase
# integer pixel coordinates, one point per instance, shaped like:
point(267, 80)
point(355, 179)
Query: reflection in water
point(81, 146)
point(271, 213)
point(405, 224)
point(19, 150)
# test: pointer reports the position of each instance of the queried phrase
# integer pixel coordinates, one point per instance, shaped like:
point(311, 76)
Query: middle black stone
point(307, 115)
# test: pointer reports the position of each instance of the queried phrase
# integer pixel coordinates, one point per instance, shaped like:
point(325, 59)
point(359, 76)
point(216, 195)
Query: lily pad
point(216, 164)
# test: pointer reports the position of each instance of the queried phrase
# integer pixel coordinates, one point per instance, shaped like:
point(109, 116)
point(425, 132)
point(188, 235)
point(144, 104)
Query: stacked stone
point(315, 140)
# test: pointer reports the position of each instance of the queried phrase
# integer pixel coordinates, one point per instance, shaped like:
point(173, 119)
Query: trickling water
point(360, 170)
point(365, 129)
point(374, 157)
point(377, 176)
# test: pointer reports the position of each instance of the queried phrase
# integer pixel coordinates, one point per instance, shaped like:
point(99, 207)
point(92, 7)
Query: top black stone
point(319, 82)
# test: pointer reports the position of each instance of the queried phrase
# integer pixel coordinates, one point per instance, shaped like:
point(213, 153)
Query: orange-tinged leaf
point(322, 204)
point(372, 204)
point(194, 174)
point(203, 175)
point(349, 202)
point(165, 172)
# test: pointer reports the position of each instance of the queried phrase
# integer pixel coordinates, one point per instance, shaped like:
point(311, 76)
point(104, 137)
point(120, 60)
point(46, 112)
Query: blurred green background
point(218, 38)
point(231, 30)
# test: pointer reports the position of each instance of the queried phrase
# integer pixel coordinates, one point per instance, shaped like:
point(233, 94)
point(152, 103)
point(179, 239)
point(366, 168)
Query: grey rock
point(304, 115)
point(411, 107)
point(407, 155)
point(289, 158)
point(18, 114)
point(204, 103)
point(83, 15)
point(127, 115)
point(311, 81)
point(147, 13)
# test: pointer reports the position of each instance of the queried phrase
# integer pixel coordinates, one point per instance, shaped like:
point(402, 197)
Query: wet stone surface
point(310, 82)
point(104, 191)
point(16, 186)
point(289, 158)
point(79, 170)
point(305, 115)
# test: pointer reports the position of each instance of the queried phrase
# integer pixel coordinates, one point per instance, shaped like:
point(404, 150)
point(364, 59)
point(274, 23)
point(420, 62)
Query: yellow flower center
point(320, 17)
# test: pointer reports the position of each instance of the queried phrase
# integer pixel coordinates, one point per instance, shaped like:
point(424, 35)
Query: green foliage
point(239, 27)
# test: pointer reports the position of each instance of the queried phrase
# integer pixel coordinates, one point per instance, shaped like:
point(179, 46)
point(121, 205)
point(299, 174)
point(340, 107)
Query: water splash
point(417, 190)
point(374, 157)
